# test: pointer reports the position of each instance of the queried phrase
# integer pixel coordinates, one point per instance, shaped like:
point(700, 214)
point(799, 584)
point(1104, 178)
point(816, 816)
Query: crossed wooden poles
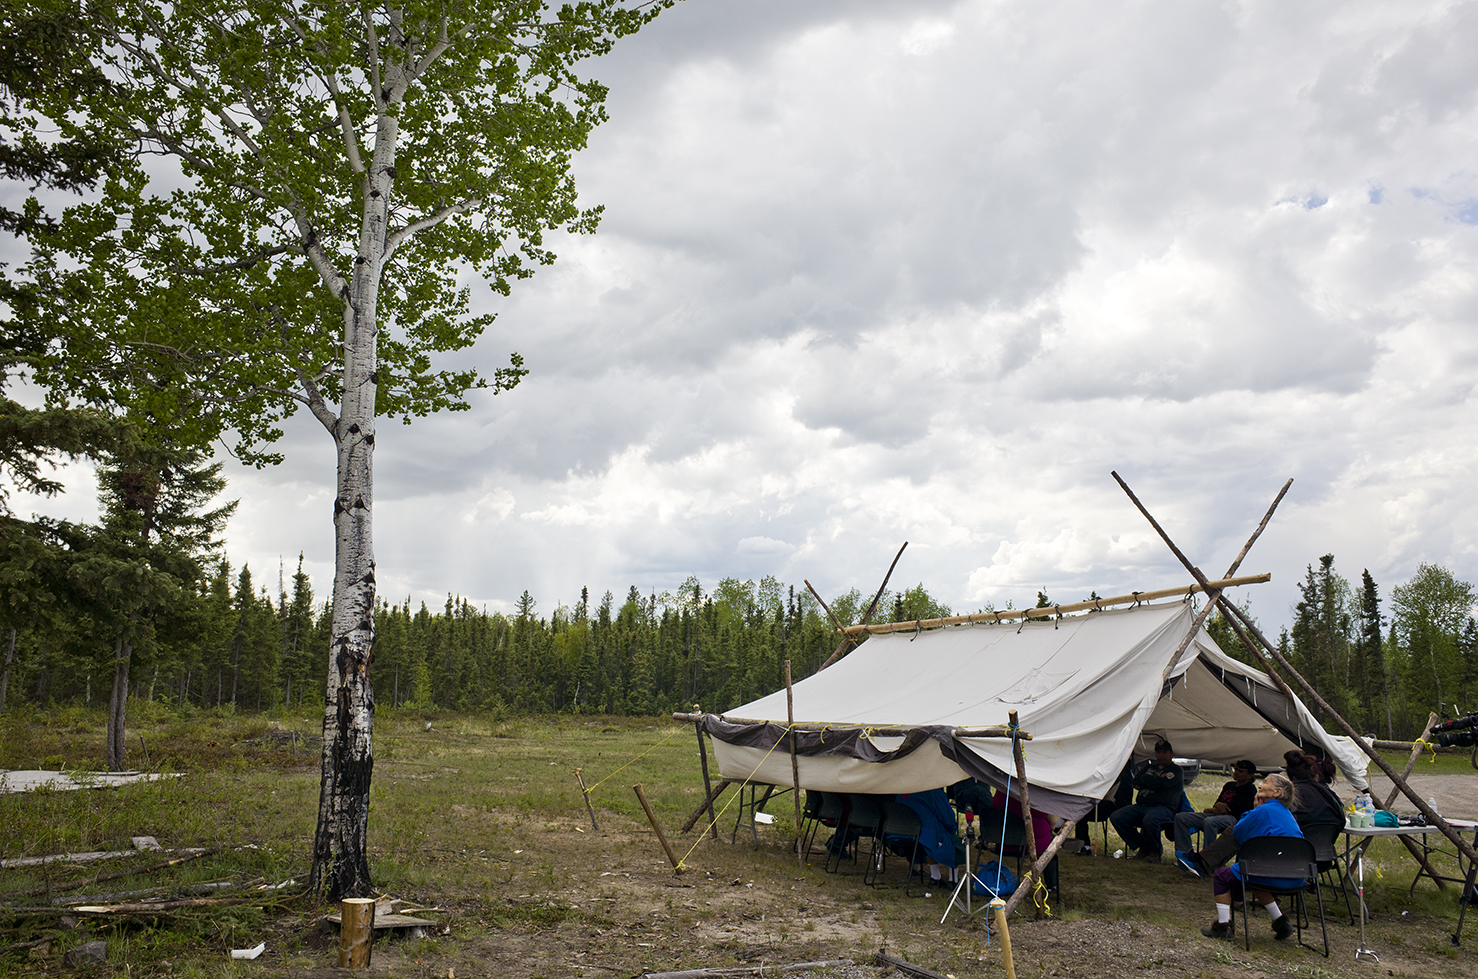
point(1252, 637)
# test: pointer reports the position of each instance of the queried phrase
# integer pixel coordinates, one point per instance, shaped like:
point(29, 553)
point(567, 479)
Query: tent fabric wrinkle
point(1087, 687)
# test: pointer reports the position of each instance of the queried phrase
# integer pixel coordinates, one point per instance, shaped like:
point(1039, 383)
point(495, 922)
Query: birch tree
point(312, 185)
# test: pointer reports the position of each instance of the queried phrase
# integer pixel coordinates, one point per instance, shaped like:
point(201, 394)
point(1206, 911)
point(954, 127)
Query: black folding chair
point(1010, 843)
point(1325, 837)
point(810, 819)
point(902, 824)
point(1287, 857)
point(866, 820)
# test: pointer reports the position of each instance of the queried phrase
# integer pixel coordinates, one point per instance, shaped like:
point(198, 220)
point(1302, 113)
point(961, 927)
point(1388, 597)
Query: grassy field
point(481, 823)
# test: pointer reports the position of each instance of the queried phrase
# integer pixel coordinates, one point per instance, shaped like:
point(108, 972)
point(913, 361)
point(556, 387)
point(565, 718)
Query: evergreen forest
point(233, 641)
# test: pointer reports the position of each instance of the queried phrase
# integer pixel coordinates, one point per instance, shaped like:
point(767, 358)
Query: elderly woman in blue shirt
point(1269, 816)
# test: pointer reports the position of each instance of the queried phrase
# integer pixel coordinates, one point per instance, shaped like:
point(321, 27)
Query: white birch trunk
point(341, 846)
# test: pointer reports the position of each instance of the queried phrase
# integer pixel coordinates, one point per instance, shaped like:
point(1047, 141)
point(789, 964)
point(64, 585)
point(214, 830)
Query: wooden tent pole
point(641, 797)
point(707, 803)
point(795, 765)
point(1212, 594)
point(1433, 818)
point(585, 794)
point(847, 641)
point(707, 787)
point(1095, 604)
point(1234, 613)
point(1026, 803)
point(1416, 752)
point(836, 624)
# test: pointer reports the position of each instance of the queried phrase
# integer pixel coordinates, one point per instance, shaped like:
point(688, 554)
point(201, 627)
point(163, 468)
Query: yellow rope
point(682, 863)
point(636, 759)
point(1042, 901)
point(1430, 748)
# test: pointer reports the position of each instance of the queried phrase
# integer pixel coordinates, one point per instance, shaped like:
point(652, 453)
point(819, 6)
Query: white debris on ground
point(29, 781)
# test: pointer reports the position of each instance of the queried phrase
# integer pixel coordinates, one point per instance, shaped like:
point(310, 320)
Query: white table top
point(1463, 825)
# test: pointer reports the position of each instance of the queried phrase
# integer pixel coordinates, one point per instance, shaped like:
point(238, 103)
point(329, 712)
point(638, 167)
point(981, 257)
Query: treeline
point(649, 654)
point(1383, 665)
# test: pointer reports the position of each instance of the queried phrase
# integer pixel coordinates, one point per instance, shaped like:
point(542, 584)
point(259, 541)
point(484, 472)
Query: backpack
point(994, 880)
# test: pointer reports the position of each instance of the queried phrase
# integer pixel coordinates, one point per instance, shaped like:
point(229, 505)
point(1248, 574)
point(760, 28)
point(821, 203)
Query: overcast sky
point(924, 271)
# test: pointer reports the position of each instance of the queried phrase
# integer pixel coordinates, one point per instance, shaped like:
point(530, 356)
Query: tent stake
point(585, 793)
point(998, 912)
point(652, 818)
point(795, 765)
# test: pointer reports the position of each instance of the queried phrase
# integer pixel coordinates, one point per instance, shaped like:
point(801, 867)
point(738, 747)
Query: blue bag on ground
point(994, 880)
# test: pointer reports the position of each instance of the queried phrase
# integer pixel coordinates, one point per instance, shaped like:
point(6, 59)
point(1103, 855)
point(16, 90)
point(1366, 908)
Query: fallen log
point(74, 885)
point(152, 907)
point(883, 958)
point(722, 972)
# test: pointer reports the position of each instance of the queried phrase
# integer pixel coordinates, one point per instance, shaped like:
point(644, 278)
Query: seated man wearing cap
point(1160, 786)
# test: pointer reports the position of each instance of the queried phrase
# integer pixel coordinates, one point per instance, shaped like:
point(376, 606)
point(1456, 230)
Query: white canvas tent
point(1086, 687)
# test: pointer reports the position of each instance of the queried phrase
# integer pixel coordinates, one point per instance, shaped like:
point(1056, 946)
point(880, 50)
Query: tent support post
point(708, 792)
point(847, 641)
point(1019, 753)
point(707, 803)
point(1234, 614)
point(795, 765)
point(1416, 752)
point(1030, 878)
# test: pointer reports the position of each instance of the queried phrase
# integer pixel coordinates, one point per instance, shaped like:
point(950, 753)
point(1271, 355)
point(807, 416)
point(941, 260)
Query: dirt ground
point(622, 913)
point(1456, 795)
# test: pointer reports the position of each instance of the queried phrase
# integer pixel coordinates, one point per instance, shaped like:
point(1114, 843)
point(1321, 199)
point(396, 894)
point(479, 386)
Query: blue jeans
point(1127, 822)
point(1210, 825)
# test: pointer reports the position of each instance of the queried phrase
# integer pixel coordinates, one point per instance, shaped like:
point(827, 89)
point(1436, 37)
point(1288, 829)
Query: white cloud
point(881, 272)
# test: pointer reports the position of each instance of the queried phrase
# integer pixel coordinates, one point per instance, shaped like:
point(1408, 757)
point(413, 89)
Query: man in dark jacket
point(1161, 785)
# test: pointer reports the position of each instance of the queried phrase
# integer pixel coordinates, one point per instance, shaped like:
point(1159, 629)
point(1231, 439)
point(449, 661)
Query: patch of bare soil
point(607, 905)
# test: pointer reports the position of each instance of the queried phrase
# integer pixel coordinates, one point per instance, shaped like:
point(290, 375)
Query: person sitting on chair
point(1313, 800)
point(1268, 817)
point(939, 835)
point(1235, 799)
point(1160, 786)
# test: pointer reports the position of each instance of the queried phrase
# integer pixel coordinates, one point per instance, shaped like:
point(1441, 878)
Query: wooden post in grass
point(795, 769)
point(652, 818)
point(585, 794)
point(356, 932)
point(998, 914)
point(707, 787)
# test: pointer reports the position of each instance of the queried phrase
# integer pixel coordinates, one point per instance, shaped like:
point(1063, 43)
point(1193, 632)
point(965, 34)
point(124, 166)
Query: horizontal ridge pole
point(876, 730)
point(990, 618)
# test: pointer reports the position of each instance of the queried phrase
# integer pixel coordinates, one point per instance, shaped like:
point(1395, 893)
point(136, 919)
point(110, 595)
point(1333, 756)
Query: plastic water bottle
point(1432, 804)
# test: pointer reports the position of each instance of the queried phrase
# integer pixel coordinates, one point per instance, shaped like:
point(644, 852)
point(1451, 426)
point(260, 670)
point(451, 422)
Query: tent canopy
point(1087, 688)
